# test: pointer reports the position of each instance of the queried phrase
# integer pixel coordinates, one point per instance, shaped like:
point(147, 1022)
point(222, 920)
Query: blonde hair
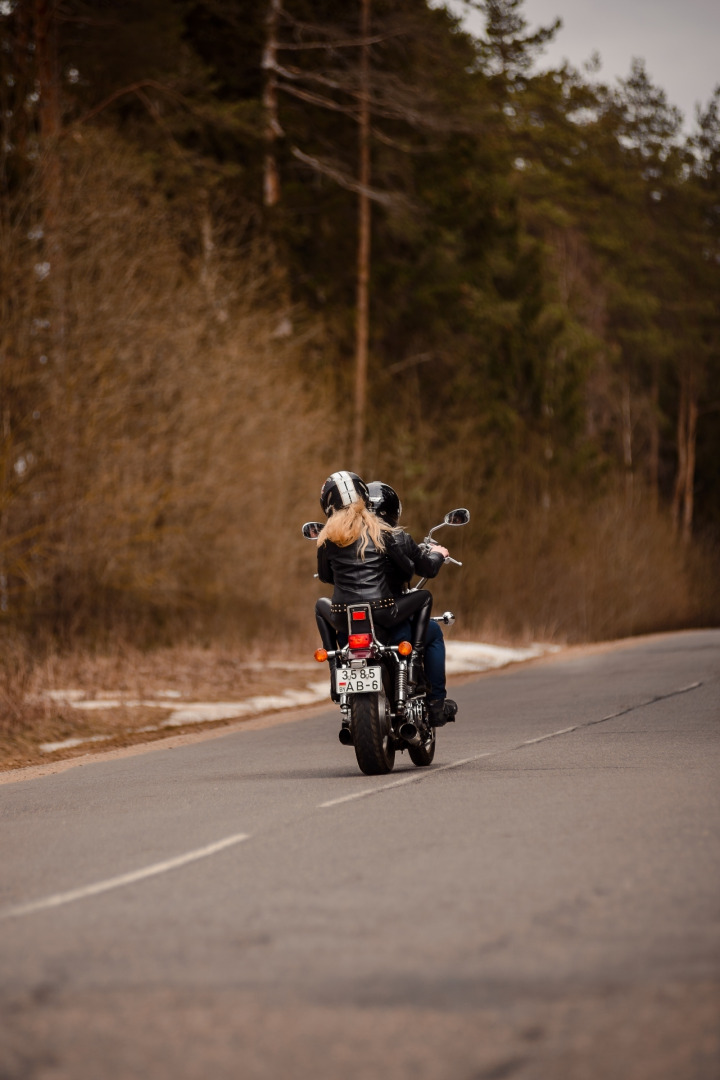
point(355, 522)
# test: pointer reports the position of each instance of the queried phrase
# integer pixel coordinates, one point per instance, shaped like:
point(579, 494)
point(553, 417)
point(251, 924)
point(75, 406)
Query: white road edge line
point(425, 774)
point(123, 879)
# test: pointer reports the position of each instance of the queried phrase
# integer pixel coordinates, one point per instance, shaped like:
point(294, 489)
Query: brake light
point(359, 641)
point(358, 616)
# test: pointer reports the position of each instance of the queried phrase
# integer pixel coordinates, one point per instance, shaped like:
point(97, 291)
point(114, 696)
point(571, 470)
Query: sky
point(679, 41)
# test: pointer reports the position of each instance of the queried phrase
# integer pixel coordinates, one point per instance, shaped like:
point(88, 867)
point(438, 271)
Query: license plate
point(363, 680)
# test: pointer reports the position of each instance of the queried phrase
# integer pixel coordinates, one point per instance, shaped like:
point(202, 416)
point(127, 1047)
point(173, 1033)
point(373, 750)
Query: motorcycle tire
point(424, 754)
point(372, 733)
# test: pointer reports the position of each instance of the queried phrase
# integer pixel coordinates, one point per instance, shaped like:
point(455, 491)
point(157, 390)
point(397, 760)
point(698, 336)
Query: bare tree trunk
point(655, 443)
point(271, 179)
point(4, 500)
point(683, 495)
point(62, 446)
point(208, 270)
point(363, 260)
point(25, 76)
point(627, 441)
point(689, 487)
point(48, 75)
point(681, 474)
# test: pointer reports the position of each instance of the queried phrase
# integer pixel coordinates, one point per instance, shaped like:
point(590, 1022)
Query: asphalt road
point(541, 904)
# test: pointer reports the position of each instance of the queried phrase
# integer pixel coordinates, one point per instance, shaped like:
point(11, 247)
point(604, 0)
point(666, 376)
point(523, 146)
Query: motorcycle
point(381, 688)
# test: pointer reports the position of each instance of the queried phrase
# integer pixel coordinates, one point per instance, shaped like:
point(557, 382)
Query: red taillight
point(358, 616)
point(359, 641)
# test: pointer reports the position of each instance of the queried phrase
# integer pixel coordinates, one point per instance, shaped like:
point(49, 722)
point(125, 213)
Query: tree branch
point(133, 88)
point(406, 148)
point(411, 361)
point(316, 99)
point(345, 180)
point(353, 43)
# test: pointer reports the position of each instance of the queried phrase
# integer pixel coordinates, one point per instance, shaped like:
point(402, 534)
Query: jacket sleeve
point(324, 568)
point(412, 558)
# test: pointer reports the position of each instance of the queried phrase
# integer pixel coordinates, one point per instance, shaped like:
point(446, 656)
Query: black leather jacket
point(405, 558)
point(355, 579)
point(380, 574)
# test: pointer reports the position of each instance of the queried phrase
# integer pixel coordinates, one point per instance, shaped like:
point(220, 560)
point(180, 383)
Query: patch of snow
point(280, 665)
point(463, 657)
point(77, 699)
point(116, 703)
point(204, 712)
point(67, 744)
point(101, 703)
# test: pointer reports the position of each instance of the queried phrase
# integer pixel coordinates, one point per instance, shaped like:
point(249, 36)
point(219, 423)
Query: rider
point(415, 559)
point(355, 549)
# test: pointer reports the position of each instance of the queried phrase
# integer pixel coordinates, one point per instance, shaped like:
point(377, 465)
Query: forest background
point(245, 244)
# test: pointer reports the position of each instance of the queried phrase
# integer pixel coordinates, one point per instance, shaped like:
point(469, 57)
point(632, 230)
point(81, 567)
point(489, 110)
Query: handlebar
point(421, 583)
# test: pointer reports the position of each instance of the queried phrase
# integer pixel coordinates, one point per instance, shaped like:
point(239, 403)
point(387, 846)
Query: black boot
point(441, 712)
point(334, 696)
point(416, 671)
point(323, 616)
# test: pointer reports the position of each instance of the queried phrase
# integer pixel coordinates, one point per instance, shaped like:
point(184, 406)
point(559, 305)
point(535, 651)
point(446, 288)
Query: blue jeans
point(434, 655)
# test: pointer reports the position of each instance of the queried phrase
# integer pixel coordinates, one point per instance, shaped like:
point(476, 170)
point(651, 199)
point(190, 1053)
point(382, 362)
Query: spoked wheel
point(372, 733)
point(423, 754)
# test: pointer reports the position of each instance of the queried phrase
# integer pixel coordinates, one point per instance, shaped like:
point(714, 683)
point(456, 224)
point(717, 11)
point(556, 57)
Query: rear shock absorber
point(401, 685)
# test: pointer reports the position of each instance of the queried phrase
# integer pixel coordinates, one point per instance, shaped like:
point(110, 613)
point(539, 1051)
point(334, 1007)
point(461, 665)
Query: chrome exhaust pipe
point(410, 733)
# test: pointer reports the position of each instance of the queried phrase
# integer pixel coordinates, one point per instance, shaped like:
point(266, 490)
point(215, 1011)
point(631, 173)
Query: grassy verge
point(65, 697)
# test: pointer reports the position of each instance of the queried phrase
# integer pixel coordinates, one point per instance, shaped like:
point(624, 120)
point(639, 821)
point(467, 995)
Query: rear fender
point(360, 620)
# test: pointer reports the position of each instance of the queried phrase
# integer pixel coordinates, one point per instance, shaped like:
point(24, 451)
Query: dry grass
point(592, 572)
point(143, 455)
point(29, 716)
point(567, 575)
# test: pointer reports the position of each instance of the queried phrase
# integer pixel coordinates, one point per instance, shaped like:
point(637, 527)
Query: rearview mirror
point(457, 517)
point(312, 529)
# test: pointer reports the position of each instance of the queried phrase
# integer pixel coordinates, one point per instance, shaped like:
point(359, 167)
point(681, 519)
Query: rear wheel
point(372, 733)
point(423, 755)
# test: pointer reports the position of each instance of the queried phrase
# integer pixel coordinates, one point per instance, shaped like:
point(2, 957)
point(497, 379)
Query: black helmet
point(385, 502)
point(341, 490)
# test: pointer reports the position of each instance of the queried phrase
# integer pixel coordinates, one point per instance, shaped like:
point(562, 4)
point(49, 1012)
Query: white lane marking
point(123, 879)
point(650, 701)
point(426, 774)
point(211, 849)
point(552, 735)
point(412, 779)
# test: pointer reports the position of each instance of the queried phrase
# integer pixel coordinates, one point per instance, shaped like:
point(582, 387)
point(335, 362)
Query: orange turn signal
point(320, 655)
point(404, 648)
